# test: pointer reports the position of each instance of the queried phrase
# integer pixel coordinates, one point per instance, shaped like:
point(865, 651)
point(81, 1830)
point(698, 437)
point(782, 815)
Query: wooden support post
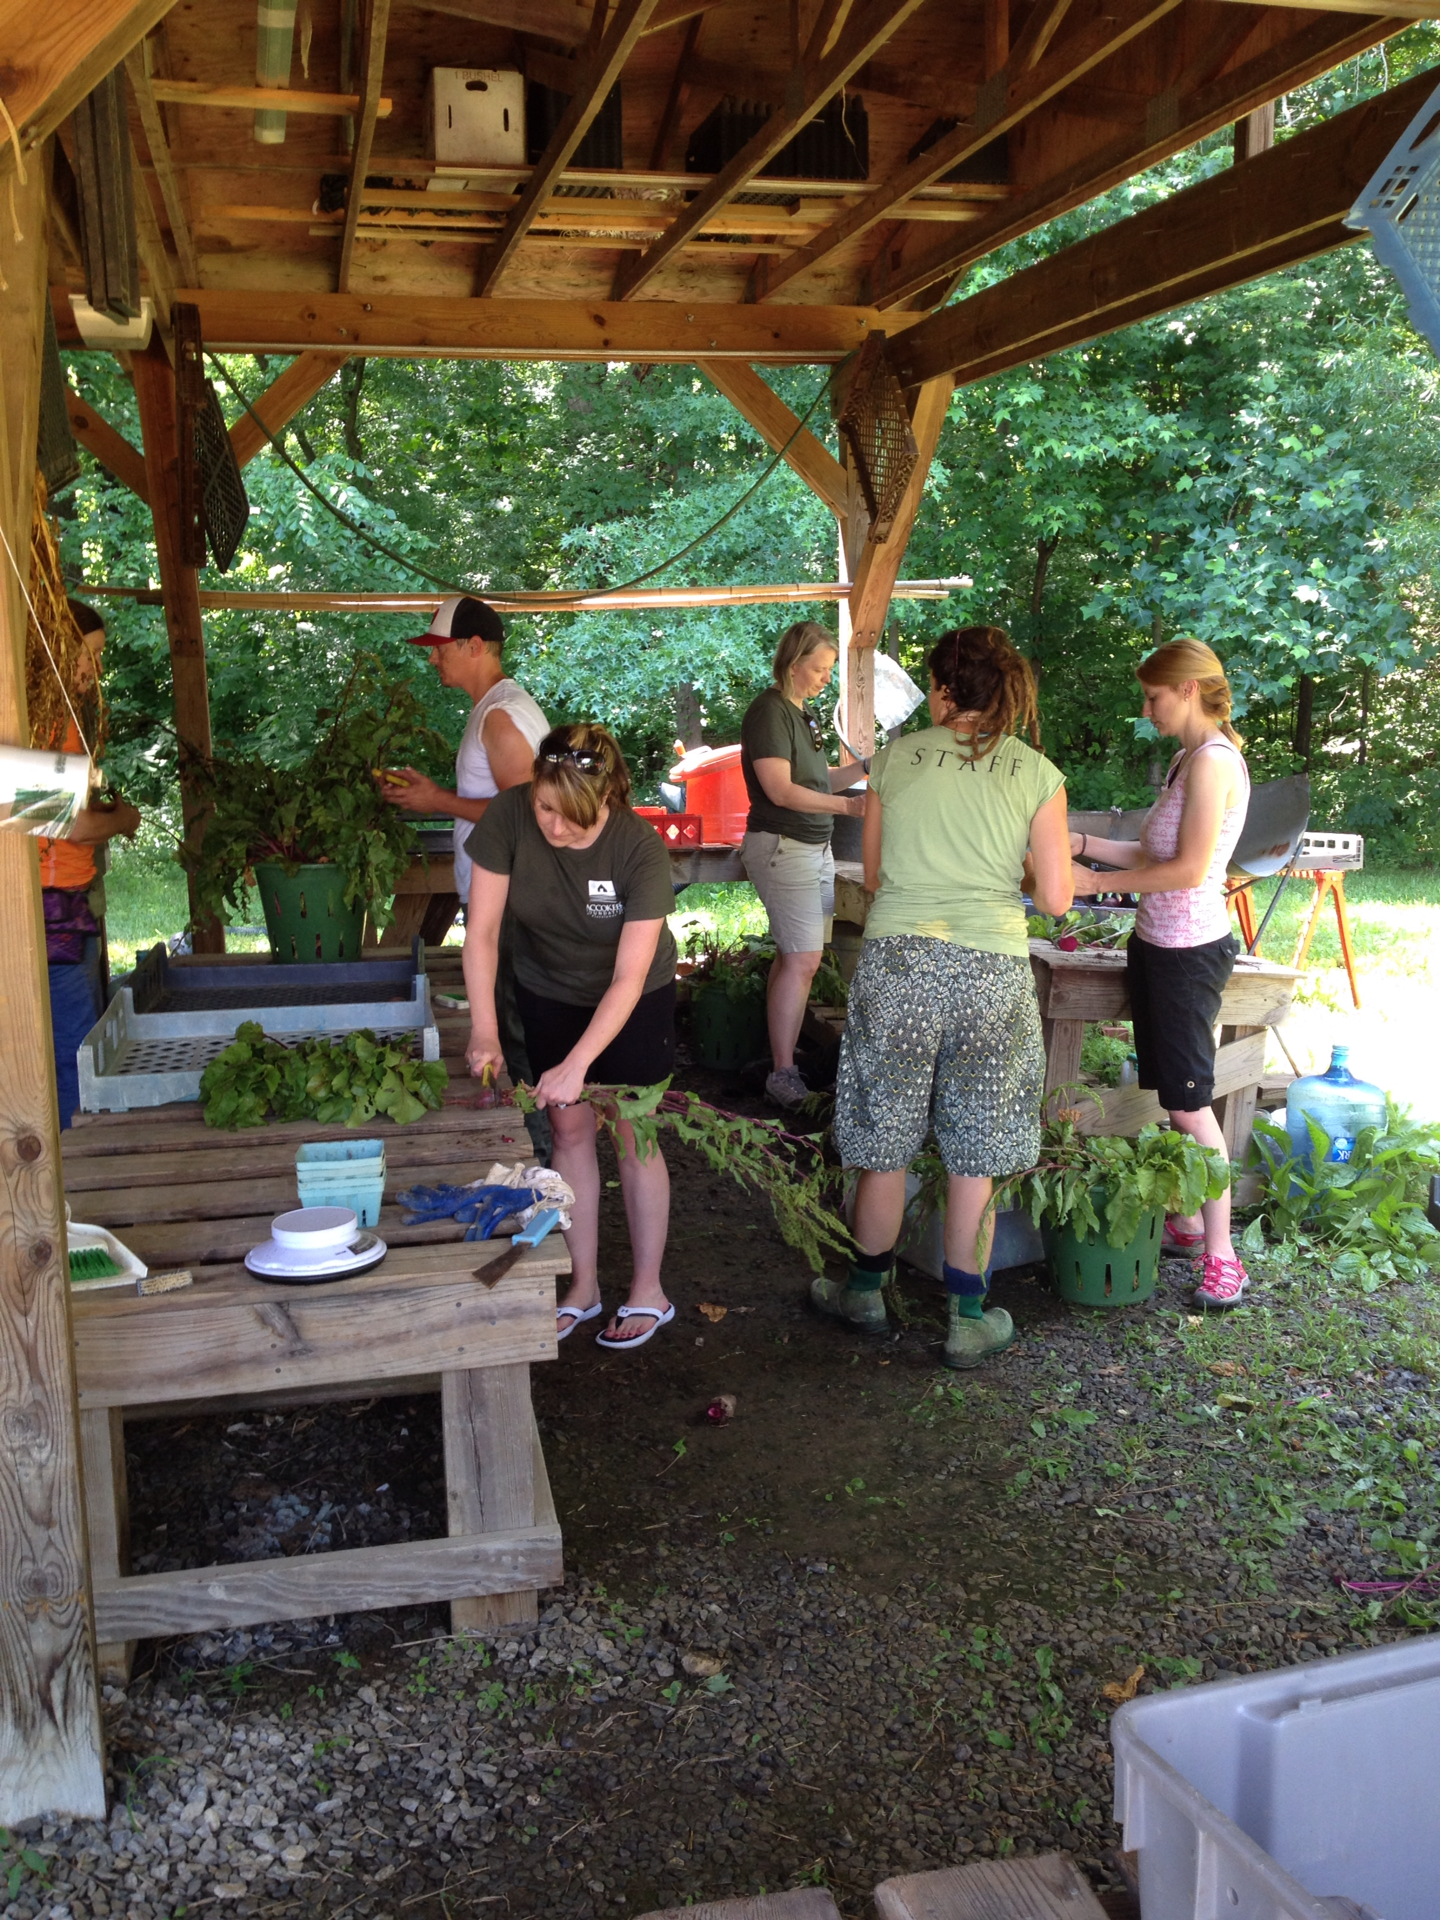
point(107, 1518)
point(155, 392)
point(488, 1431)
point(1236, 1111)
point(857, 664)
point(50, 1743)
point(1064, 1041)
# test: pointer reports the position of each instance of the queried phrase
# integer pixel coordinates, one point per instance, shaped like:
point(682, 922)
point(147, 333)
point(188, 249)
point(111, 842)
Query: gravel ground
point(864, 1628)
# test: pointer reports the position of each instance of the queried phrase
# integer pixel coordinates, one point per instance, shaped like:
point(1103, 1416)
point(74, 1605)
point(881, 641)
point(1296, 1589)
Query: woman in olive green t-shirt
point(943, 1029)
point(786, 849)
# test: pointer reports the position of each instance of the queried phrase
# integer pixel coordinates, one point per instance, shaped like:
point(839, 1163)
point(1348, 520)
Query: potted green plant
point(317, 837)
point(1100, 1202)
point(727, 996)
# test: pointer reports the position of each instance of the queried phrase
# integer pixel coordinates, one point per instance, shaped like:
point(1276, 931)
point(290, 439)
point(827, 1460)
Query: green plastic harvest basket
point(1092, 1273)
point(727, 1033)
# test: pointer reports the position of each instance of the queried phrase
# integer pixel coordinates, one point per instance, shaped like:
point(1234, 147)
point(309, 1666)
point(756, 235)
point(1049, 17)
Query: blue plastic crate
point(1400, 209)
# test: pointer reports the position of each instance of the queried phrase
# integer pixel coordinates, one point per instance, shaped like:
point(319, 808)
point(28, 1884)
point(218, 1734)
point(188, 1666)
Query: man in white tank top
point(506, 725)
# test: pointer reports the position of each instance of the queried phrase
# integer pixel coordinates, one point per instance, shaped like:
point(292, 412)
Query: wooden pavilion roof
point(1038, 105)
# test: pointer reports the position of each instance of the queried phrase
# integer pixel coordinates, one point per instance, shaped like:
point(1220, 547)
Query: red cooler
point(715, 789)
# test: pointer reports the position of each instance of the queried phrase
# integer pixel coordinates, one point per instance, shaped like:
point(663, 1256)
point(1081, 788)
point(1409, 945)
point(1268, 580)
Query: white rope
point(20, 170)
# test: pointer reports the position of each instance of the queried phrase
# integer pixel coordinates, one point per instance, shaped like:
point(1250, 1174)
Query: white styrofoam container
point(476, 116)
point(1280, 1796)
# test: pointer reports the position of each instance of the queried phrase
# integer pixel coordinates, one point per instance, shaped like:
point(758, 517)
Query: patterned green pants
point(945, 1038)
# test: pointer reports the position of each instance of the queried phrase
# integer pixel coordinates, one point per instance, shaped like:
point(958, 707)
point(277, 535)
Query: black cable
point(449, 585)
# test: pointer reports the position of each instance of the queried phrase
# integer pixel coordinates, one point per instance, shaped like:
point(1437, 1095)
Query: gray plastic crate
point(159, 986)
point(132, 1059)
point(1306, 1793)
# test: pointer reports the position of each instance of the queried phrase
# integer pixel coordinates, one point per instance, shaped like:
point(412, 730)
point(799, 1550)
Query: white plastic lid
point(314, 1229)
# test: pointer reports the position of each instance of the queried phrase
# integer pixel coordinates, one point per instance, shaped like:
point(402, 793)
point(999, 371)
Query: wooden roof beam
point(810, 86)
point(1281, 206)
point(1196, 109)
point(1006, 99)
point(282, 400)
point(563, 21)
point(680, 84)
point(53, 55)
point(600, 75)
point(410, 326)
point(372, 67)
point(114, 452)
point(202, 93)
point(137, 65)
point(758, 401)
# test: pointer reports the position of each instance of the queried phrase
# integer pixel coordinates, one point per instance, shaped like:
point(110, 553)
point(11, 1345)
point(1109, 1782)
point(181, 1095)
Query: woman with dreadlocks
point(943, 1030)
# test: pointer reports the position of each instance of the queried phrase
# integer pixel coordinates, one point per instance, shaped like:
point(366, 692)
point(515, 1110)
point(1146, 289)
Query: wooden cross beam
point(137, 65)
point(1282, 206)
point(776, 425)
point(53, 55)
point(810, 86)
point(1005, 100)
point(1201, 104)
point(110, 448)
point(407, 327)
point(595, 80)
point(281, 401)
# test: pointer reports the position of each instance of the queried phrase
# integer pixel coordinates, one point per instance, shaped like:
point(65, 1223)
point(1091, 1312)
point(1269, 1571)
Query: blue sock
point(967, 1290)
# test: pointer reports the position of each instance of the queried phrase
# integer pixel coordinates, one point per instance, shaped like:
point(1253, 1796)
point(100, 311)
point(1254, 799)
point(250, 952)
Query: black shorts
point(640, 1054)
point(1175, 995)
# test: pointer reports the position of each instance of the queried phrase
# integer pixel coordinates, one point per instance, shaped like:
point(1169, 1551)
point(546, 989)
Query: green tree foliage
point(1258, 468)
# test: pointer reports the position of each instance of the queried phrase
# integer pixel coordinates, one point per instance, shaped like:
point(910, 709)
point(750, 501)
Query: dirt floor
point(868, 1626)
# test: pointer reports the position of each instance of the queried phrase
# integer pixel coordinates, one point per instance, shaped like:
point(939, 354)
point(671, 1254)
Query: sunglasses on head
point(585, 758)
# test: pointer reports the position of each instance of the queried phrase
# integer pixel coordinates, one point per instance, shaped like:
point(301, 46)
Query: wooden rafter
point(600, 75)
point(1281, 206)
point(137, 65)
point(408, 326)
point(1192, 116)
point(677, 96)
point(776, 425)
point(811, 86)
point(54, 54)
point(1045, 21)
point(110, 448)
point(282, 400)
point(564, 21)
point(372, 66)
point(243, 98)
point(1014, 93)
point(153, 257)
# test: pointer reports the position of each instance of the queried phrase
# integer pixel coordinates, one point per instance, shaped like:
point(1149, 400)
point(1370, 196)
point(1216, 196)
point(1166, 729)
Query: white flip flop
point(661, 1319)
point(577, 1316)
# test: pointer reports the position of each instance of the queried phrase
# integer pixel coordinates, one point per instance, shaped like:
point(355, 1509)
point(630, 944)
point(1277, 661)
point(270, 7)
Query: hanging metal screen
point(57, 455)
point(224, 501)
point(875, 424)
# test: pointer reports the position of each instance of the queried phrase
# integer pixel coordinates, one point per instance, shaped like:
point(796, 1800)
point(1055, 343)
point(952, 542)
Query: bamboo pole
point(640, 600)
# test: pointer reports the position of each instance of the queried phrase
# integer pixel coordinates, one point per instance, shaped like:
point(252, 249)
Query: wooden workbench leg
point(489, 1476)
point(1236, 1111)
point(1064, 1040)
point(107, 1515)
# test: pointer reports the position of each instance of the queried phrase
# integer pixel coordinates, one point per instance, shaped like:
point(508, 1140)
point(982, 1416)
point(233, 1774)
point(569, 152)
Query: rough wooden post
point(50, 1743)
point(488, 1432)
point(179, 584)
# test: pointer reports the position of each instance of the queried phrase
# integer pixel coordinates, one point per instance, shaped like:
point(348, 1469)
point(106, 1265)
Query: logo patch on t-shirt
point(603, 904)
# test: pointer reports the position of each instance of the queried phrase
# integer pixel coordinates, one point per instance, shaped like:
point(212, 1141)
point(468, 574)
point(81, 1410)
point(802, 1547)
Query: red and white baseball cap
point(462, 617)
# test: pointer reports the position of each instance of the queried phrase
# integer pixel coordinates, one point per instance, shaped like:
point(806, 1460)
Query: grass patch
point(1394, 919)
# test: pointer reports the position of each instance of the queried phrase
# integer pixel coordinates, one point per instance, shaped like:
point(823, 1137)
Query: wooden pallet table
point(185, 1195)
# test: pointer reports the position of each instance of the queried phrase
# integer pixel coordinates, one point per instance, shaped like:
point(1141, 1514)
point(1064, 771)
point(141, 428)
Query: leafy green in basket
point(347, 1081)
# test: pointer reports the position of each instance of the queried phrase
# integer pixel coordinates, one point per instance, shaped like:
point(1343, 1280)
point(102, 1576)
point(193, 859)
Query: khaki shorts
point(795, 880)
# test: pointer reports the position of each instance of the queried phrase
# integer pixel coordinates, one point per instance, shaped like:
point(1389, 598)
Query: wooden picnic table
point(181, 1194)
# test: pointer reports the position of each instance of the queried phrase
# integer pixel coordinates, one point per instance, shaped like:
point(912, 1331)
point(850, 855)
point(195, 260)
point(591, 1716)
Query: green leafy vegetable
point(788, 1170)
point(329, 807)
point(742, 971)
point(1370, 1207)
point(346, 1081)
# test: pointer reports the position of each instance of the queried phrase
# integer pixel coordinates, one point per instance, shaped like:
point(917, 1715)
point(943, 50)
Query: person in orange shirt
point(67, 874)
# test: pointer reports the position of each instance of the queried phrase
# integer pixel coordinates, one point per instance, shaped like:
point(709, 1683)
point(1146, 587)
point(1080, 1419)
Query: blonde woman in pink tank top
point(1182, 951)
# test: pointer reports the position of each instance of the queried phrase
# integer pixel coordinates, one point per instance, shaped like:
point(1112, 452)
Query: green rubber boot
point(857, 1299)
point(972, 1339)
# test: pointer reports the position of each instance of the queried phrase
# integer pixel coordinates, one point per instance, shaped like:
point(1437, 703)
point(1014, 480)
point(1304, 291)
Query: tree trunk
point(1304, 720)
point(1043, 551)
point(688, 720)
point(1364, 754)
point(351, 381)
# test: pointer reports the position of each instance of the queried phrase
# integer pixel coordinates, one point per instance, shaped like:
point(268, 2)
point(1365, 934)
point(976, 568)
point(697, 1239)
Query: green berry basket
point(1092, 1273)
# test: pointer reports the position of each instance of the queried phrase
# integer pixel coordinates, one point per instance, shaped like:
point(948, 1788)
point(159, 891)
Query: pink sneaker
point(1222, 1283)
point(1177, 1240)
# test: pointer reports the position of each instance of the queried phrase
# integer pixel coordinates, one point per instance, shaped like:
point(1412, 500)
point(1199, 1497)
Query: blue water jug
point(1336, 1101)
